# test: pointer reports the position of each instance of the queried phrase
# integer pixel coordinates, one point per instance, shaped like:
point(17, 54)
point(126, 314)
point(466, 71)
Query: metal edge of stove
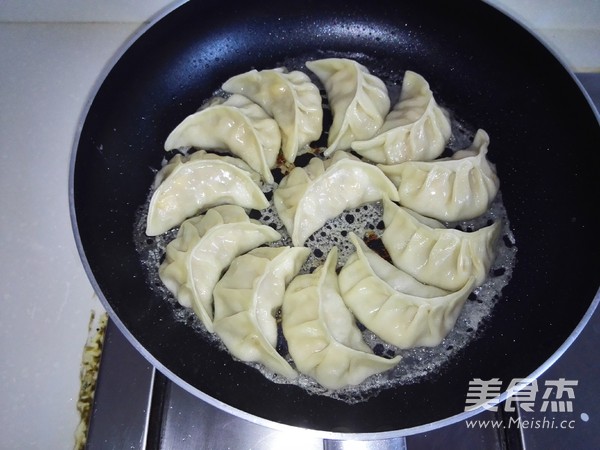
point(123, 397)
point(145, 410)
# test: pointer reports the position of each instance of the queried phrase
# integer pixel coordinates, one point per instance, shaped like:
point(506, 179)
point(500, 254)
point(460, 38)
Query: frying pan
point(482, 65)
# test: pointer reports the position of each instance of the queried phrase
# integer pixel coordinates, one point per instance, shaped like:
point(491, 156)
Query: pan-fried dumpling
point(436, 255)
point(204, 247)
point(416, 129)
point(359, 101)
point(188, 185)
point(398, 279)
point(322, 337)
point(290, 98)
point(237, 125)
point(309, 196)
point(398, 317)
point(246, 300)
point(458, 188)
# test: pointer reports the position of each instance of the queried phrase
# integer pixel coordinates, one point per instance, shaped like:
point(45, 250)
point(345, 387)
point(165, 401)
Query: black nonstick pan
point(482, 65)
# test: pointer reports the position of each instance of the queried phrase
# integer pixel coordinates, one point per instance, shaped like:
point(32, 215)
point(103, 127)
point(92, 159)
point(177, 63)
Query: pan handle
point(398, 443)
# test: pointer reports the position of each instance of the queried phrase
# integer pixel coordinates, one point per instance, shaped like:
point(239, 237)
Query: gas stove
point(135, 406)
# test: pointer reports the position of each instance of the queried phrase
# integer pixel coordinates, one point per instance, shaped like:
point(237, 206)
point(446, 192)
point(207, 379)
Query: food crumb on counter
point(90, 364)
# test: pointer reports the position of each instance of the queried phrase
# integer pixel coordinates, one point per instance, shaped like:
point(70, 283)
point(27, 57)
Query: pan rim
point(224, 406)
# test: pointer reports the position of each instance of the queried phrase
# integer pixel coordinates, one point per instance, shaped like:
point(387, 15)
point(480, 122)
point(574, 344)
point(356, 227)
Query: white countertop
point(53, 53)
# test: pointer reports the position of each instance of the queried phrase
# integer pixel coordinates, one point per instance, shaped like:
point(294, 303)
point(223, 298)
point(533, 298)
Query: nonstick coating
point(545, 140)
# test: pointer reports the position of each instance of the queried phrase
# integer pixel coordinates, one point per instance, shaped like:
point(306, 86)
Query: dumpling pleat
point(401, 319)
point(290, 98)
point(322, 337)
point(237, 125)
point(308, 197)
point(197, 257)
point(416, 129)
point(359, 101)
point(245, 300)
point(451, 189)
point(189, 185)
point(441, 257)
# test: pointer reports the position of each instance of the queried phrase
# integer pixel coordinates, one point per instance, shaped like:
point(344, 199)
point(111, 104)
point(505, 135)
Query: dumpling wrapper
point(204, 247)
point(458, 188)
point(237, 125)
point(291, 98)
point(396, 278)
point(246, 299)
point(435, 255)
point(423, 316)
point(416, 129)
point(309, 196)
point(322, 336)
point(188, 185)
point(359, 101)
